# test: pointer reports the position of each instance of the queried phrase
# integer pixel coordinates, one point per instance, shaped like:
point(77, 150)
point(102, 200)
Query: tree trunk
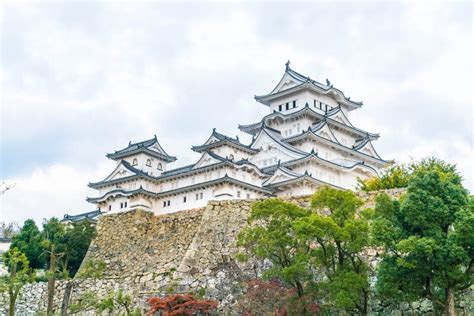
point(66, 298)
point(12, 292)
point(11, 309)
point(51, 281)
point(449, 305)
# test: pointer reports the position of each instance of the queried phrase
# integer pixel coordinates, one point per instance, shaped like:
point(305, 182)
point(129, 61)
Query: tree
point(9, 230)
point(272, 236)
point(19, 275)
point(301, 244)
point(427, 238)
point(28, 241)
point(77, 240)
point(181, 305)
point(339, 232)
point(53, 245)
point(395, 176)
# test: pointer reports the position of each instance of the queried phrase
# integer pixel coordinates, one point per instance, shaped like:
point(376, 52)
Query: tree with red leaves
point(181, 305)
point(273, 298)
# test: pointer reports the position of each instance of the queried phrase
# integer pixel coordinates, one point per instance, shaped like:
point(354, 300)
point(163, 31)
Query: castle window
point(160, 166)
point(200, 196)
point(110, 207)
point(280, 107)
point(294, 104)
point(184, 199)
point(197, 196)
point(238, 194)
point(168, 204)
point(121, 205)
point(287, 106)
point(148, 162)
point(164, 203)
point(135, 162)
point(125, 204)
point(248, 195)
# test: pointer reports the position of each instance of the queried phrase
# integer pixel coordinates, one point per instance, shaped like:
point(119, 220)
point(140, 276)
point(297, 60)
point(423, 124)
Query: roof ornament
point(349, 98)
point(279, 162)
point(306, 173)
point(312, 151)
point(306, 105)
point(214, 130)
point(328, 83)
point(155, 136)
point(287, 65)
point(129, 143)
point(237, 137)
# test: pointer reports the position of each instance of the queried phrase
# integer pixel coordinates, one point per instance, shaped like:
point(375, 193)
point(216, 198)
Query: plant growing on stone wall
point(116, 300)
point(92, 269)
point(181, 305)
point(272, 298)
point(19, 275)
point(113, 303)
point(427, 238)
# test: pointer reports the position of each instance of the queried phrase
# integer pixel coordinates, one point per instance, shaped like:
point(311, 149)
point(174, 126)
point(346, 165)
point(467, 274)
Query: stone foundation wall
point(147, 255)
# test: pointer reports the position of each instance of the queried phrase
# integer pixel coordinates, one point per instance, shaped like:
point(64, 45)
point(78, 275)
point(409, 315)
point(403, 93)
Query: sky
point(81, 79)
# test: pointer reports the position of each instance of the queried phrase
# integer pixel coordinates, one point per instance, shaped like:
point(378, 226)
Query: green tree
point(77, 240)
point(427, 238)
point(28, 241)
point(271, 235)
point(339, 233)
point(54, 247)
point(304, 244)
point(395, 176)
point(19, 275)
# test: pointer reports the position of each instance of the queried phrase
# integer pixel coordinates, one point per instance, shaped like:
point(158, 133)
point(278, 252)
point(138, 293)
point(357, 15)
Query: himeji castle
point(305, 142)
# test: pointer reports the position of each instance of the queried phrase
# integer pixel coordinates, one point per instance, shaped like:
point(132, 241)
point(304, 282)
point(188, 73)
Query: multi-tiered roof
point(305, 142)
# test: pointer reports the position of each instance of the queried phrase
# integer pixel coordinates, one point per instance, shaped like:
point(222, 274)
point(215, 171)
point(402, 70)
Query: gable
point(369, 149)
point(286, 83)
point(326, 132)
point(211, 140)
point(120, 172)
point(280, 176)
point(206, 160)
point(266, 143)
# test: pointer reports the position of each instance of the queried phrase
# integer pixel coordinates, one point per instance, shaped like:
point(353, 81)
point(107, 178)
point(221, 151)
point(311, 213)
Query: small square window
point(238, 194)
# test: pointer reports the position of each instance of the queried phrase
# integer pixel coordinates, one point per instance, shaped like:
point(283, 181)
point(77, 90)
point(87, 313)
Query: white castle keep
point(306, 141)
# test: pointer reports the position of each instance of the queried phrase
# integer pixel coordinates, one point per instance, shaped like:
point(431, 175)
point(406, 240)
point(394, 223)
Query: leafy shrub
point(181, 305)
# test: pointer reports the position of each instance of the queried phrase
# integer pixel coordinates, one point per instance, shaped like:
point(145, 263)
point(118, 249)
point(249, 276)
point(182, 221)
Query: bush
point(181, 305)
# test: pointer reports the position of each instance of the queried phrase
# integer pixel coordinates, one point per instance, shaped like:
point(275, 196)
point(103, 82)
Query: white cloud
point(49, 191)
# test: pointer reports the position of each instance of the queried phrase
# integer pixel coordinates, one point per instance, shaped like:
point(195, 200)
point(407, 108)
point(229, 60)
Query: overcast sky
point(84, 78)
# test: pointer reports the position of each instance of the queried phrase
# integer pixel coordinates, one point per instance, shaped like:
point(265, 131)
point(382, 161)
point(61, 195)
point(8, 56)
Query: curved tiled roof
point(308, 109)
point(223, 140)
point(143, 146)
point(121, 192)
point(91, 216)
point(306, 81)
point(349, 149)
